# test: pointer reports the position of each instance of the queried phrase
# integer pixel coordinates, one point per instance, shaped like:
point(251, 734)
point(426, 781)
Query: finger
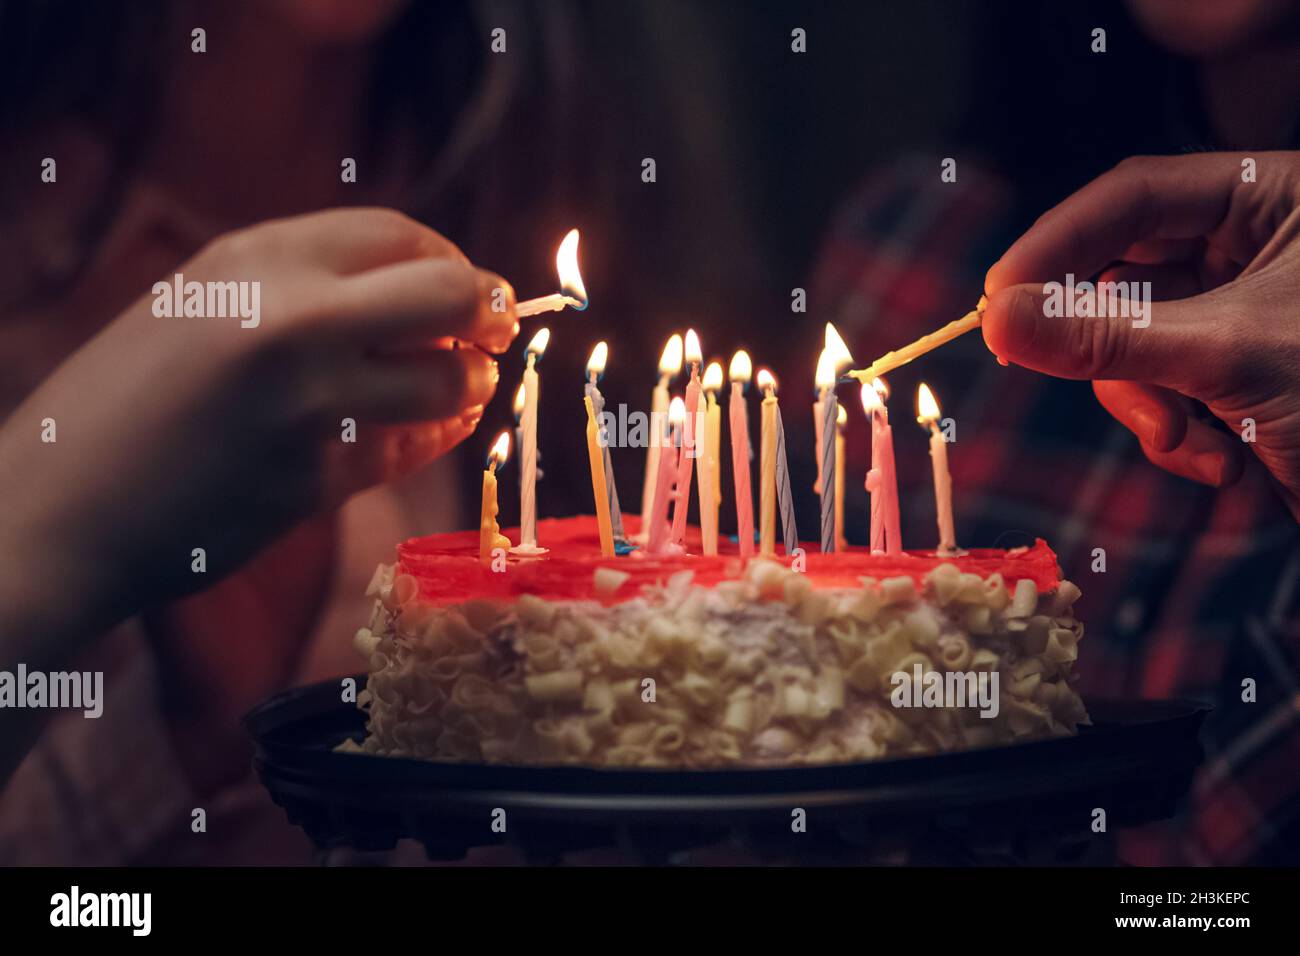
point(425, 299)
point(1025, 325)
point(1149, 197)
point(421, 386)
point(1157, 416)
point(1206, 455)
point(348, 241)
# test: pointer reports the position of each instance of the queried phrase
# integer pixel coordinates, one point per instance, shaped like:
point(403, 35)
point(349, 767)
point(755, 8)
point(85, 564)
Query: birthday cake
point(692, 661)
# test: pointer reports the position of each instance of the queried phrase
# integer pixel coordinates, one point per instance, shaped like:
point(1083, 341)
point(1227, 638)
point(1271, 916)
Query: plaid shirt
point(1199, 590)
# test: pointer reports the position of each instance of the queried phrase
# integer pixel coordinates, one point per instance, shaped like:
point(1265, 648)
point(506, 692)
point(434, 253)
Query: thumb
point(1079, 334)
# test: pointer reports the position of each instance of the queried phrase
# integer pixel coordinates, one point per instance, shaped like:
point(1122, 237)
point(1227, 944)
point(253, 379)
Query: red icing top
point(448, 569)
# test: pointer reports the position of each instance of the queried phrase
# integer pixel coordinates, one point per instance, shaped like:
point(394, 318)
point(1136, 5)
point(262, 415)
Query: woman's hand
point(1223, 259)
point(185, 432)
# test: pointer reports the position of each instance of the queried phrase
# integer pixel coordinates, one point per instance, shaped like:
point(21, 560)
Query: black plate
point(1135, 763)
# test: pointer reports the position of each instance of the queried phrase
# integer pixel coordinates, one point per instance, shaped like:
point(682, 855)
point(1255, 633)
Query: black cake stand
point(1031, 802)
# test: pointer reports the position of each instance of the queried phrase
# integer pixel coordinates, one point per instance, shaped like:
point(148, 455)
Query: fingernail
point(471, 416)
point(495, 372)
point(1209, 467)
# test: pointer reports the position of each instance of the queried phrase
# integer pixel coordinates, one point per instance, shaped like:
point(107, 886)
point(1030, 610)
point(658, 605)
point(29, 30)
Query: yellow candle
point(767, 472)
point(597, 462)
point(707, 478)
point(840, 542)
point(926, 343)
point(489, 533)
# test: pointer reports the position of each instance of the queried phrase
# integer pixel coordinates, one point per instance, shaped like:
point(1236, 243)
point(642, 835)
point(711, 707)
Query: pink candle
point(690, 441)
point(741, 368)
point(657, 533)
point(882, 480)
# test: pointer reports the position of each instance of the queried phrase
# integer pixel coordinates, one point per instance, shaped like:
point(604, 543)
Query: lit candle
point(784, 496)
point(739, 374)
point(882, 481)
point(927, 415)
point(572, 294)
point(829, 411)
point(596, 368)
point(690, 440)
point(833, 357)
point(767, 466)
point(710, 488)
point(670, 366)
point(840, 356)
point(664, 491)
point(598, 487)
point(489, 533)
point(528, 448)
point(841, 420)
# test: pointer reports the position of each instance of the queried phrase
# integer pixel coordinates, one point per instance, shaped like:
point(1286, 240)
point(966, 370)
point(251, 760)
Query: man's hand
point(1223, 259)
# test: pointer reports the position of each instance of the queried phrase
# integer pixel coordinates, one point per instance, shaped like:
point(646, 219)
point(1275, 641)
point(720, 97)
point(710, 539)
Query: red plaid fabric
point(1199, 591)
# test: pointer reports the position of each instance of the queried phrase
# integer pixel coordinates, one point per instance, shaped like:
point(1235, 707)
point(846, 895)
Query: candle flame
point(713, 377)
point(676, 412)
point(741, 368)
point(766, 381)
point(840, 353)
point(670, 362)
point(841, 417)
point(694, 354)
point(566, 264)
point(927, 408)
point(500, 451)
point(826, 372)
point(519, 400)
point(599, 356)
point(870, 398)
point(881, 388)
point(537, 345)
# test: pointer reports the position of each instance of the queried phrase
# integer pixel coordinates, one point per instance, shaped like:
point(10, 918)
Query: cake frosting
point(690, 661)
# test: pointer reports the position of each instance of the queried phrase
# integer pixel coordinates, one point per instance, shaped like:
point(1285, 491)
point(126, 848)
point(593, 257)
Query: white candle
point(928, 416)
point(670, 366)
point(528, 448)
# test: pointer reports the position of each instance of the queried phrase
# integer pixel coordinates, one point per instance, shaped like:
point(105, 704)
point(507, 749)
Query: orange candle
point(741, 369)
point(596, 458)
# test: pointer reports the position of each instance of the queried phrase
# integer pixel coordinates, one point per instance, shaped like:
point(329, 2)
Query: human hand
point(1223, 260)
point(185, 432)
